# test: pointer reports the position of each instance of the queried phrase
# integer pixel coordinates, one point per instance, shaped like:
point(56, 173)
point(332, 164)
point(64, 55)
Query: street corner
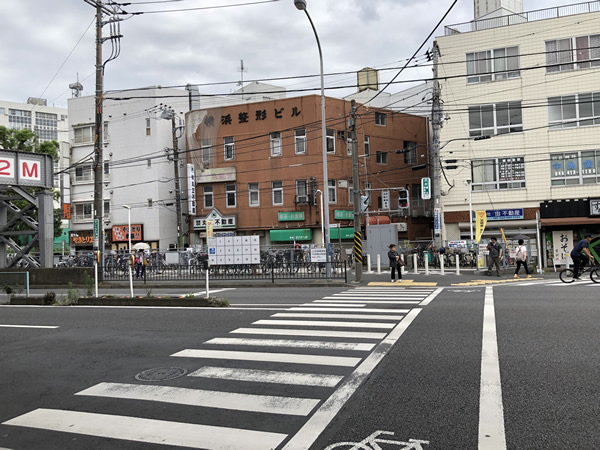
point(403, 283)
point(499, 281)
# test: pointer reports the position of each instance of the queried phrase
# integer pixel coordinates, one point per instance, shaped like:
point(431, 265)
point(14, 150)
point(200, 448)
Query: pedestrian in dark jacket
point(494, 256)
point(395, 263)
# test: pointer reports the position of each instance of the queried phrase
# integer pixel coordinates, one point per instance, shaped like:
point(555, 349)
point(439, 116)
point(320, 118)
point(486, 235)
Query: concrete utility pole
point(356, 195)
point(177, 182)
point(436, 126)
point(98, 141)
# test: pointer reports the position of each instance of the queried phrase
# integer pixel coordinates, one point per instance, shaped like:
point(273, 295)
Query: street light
point(301, 5)
point(130, 255)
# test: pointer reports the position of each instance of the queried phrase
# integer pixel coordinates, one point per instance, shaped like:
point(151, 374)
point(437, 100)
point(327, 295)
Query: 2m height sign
point(27, 169)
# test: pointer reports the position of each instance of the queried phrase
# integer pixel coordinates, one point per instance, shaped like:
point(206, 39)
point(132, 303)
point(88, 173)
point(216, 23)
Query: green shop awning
point(347, 233)
point(302, 234)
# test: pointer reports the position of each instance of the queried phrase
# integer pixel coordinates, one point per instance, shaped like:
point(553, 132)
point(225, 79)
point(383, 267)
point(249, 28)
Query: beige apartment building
point(530, 81)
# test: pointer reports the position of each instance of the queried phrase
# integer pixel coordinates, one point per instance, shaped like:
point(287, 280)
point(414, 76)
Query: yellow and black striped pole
point(358, 247)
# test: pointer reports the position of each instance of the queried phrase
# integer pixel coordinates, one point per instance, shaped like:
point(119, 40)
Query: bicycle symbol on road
point(372, 443)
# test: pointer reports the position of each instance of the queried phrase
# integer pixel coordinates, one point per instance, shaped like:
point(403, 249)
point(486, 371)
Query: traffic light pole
point(356, 196)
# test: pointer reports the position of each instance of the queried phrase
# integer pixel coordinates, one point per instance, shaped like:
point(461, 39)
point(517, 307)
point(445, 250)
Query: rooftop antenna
point(242, 69)
point(76, 87)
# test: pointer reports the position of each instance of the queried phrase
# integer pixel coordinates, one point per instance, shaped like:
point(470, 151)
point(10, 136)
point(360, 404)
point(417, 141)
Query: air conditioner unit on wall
point(301, 199)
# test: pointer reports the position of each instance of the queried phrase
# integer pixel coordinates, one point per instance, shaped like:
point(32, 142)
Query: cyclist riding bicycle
point(578, 261)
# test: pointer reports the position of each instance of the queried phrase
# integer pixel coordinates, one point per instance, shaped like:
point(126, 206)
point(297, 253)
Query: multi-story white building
point(531, 82)
point(138, 163)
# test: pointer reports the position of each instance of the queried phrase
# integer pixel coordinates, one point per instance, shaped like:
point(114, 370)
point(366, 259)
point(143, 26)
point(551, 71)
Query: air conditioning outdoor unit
point(301, 199)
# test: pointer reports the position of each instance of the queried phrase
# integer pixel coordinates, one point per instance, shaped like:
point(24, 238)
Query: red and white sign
point(29, 169)
point(7, 167)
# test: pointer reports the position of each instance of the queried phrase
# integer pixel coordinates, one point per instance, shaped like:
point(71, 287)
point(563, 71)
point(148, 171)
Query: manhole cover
point(161, 374)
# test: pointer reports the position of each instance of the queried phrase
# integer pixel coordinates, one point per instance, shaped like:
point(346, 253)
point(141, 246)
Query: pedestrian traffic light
point(403, 199)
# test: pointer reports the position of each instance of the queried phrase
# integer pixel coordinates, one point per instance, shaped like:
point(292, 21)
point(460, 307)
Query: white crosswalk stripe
point(337, 335)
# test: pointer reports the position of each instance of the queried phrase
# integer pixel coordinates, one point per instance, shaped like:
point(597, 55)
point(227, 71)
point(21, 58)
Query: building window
point(498, 173)
point(416, 198)
point(332, 186)
point(46, 126)
point(253, 194)
point(301, 191)
point(300, 141)
point(19, 119)
point(497, 64)
point(208, 196)
point(574, 168)
point(381, 157)
point(85, 211)
point(573, 53)
point(229, 148)
point(380, 119)
point(367, 143)
point(368, 191)
point(84, 173)
point(410, 153)
point(277, 190)
point(577, 110)
point(276, 143)
point(148, 127)
point(350, 193)
point(330, 135)
point(230, 195)
point(206, 150)
point(499, 118)
point(84, 135)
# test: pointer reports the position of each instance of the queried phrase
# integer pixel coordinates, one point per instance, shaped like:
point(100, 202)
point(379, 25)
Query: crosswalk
point(302, 362)
point(556, 283)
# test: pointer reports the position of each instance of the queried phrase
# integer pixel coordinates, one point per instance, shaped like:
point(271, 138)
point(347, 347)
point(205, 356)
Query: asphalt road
point(412, 368)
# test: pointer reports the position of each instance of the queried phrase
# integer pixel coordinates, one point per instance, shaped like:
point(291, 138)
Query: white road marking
point(430, 297)
point(208, 399)
point(337, 305)
point(311, 430)
point(30, 326)
point(268, 376)
point(318, 323)
point(147, 430)
point(368, 299)
point(386, 302)
point(491, 412)
point(211, 291)
point(365, 310)
point(358, 346)
point(325, 360)
point(338, 316)
point(313, 333)
point(264, 304)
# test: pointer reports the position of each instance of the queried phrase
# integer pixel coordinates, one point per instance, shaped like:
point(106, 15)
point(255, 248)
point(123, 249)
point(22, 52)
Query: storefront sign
point(290, 235)
point(344, 215)
point(219, 221)
point(480, 223)
point(595, 207)
point(191, 180)
point(215, 175)
point(82, 237)
point(503, 214)
point(120, 233)
point(563, 244)
point(437, 224)
point(290, 216)
point(456, 244)
point(346, 233)
point(511, 169)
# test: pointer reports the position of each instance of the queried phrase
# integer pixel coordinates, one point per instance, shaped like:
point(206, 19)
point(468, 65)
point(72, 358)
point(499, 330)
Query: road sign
point(96, 233)
point(385, 200)
point(426, 188)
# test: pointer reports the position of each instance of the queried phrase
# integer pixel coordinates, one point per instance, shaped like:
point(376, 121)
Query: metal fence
point(195, 271)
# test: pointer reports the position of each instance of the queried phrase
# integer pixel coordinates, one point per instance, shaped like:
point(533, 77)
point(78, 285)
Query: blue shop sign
point(503, 214)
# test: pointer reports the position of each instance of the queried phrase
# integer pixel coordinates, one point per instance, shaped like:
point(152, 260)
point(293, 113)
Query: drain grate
point(161, 374)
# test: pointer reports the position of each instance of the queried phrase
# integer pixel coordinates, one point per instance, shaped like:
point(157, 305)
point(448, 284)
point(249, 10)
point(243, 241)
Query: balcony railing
point(530, 16)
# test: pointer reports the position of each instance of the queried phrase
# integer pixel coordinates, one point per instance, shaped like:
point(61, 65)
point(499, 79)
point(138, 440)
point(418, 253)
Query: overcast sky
point(206, 46)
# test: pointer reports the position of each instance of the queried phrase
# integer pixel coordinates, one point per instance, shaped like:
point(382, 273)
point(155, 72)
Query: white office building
point(530, 81)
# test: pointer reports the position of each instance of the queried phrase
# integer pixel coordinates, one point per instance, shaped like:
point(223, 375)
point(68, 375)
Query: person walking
point(583, 246)
point(521, 258)
point(140, 264)
point(495, 255)
point(396, 263)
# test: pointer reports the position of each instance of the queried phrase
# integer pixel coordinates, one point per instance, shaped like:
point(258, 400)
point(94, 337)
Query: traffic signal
point(403, 199)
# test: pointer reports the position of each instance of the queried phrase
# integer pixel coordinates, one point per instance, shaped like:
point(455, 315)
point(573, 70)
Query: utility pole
point(356, 195)
point(98, 142)
point(177, 183)
point(436, 126)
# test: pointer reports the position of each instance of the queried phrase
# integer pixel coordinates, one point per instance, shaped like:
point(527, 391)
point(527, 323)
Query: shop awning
point(347, 233)
point(569, 221)
point(288, 235)
point(379, 220)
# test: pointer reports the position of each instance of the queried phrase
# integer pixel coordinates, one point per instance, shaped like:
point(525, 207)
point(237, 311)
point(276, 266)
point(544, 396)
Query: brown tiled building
point(258, 168)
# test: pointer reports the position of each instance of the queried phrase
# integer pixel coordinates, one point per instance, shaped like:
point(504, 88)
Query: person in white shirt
point(521, 258)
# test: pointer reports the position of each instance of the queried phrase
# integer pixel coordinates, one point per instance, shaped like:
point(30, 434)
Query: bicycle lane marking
point(491, 411)
point(311, 430)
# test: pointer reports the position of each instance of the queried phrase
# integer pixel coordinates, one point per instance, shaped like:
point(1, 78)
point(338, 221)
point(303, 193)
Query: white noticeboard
point(385, 200)
point(562, 244)
point(318, 255)
point(234, 250)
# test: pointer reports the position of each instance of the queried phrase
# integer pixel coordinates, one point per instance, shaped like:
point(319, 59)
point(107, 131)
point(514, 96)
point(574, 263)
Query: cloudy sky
point(48, 44)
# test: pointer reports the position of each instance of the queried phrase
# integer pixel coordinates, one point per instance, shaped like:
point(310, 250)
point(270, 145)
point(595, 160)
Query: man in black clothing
point(395, 263)
point(578, 262)
point(494, 256)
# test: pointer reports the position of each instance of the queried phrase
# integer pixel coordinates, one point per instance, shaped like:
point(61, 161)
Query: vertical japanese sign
point(437, 221)
point(480, 223)
point(563, 244)
point(191, 179)
point(96, 233)
point(426, 188)
point(385, 200)
point(209, 228)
